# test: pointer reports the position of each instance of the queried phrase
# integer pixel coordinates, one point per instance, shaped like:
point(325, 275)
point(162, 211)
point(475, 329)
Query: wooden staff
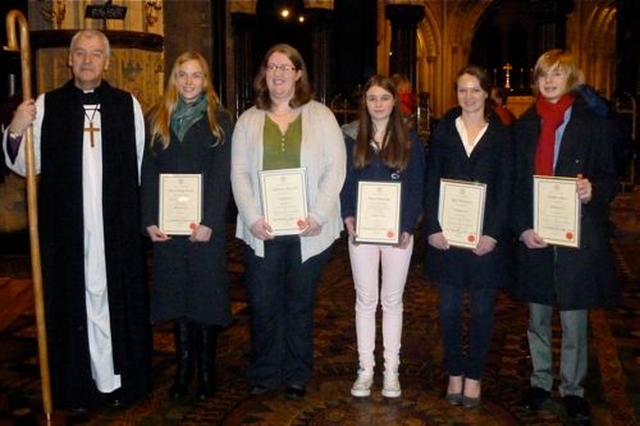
point(32, 201)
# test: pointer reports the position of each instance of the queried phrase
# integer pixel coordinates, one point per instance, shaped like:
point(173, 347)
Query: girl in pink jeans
point(381, 148)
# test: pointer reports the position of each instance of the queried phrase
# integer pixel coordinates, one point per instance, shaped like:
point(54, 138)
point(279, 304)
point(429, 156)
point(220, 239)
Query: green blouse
point(281, 150)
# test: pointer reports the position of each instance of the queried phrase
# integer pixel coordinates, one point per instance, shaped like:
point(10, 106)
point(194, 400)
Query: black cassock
point(62, 245)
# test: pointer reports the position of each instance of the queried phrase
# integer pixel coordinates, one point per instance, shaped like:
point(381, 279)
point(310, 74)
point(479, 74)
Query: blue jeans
point(482, 302)
point(282, 295)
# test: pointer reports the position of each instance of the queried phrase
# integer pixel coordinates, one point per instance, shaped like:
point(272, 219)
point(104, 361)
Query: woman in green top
point(285, 129)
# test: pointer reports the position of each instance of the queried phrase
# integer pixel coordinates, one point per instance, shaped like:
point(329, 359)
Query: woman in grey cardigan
point(285, 129)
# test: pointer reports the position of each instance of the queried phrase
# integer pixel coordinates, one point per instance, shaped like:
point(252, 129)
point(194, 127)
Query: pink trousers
point(370, 264)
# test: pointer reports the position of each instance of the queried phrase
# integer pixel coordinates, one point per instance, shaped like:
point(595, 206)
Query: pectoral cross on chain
point(91, 129)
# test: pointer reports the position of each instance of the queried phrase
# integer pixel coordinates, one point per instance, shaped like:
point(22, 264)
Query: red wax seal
point(192, 226)
point(471, 238)
point(300, 223)
point(569, 236)
point(390, 234)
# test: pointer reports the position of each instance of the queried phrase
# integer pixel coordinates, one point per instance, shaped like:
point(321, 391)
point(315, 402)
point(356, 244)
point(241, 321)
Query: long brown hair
point(303, 92)
point(161, 115)
point(395, 150)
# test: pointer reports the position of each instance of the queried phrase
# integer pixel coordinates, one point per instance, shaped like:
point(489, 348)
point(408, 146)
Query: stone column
point(242, 24)
point(404, 24)
point(218, 60)
point(320, 24)
point(628, 48)
point(551, 23)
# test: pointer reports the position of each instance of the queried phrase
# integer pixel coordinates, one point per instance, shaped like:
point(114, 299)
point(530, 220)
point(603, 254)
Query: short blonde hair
point(561, 59)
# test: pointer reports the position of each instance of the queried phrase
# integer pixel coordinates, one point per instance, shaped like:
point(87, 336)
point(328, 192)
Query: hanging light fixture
point(289, 10)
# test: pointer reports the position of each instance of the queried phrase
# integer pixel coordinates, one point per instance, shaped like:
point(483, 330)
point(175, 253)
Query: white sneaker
point(362, 386)
point(391, 386)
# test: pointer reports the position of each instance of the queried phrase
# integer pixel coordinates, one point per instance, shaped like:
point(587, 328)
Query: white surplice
point(95, 268)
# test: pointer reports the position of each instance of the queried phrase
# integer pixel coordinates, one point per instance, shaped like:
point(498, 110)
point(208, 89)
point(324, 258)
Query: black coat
point(190, 279)
point(490, 163)
point(568, 278)
point(62, 241)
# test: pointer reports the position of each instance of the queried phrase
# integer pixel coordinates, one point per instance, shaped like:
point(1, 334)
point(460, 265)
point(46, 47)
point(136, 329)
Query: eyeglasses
point(282, 68)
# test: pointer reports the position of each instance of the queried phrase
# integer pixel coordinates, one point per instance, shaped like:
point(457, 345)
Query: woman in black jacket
point(190, 133)
point(469, 144)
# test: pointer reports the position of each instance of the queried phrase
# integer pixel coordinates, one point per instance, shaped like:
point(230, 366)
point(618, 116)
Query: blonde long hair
point(161, 115)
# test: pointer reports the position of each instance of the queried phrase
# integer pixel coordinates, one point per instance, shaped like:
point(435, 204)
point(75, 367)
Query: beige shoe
point(362, 386)
point(391, 386)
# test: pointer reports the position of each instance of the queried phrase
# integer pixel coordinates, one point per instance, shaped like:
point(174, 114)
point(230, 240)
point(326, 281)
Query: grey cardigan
point(322, 154)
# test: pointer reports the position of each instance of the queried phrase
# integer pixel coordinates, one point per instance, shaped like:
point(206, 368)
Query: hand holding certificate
point(461, 211)
point(556, 210)
point(180, 203)
point(378, 212)
point(284, 199)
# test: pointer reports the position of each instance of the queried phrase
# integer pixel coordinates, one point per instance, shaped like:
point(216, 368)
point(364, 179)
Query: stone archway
point(446, 40)
point(446, 34)
point(592, 39)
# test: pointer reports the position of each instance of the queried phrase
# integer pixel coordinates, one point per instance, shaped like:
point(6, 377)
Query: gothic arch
point(464, 17)
point(453, 28)
point(592, 39)
point(429, 53)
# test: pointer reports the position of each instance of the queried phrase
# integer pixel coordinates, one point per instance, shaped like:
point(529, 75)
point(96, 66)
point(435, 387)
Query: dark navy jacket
point(412, 179)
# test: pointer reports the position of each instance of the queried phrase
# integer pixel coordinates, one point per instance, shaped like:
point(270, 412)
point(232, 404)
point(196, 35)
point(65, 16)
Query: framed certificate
point(284, 199)
point(556, 210)
point(180, 206)
point(461, 211)
point(378, 212)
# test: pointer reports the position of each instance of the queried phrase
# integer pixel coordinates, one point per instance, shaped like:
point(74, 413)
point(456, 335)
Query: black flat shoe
point(535, 398)
point(454, 398)
point(258, 390)
point(114, 398)
point(468, 402)
point(295, 391)
point(577, 408)
point(177, 391)
point(78, 415)
point(205, 392)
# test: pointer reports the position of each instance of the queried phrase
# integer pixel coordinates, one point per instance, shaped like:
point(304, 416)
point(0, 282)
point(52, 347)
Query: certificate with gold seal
point(284, 199)
point(556, 210)
point(378, 212)
point(180, 206)
point(461, 211)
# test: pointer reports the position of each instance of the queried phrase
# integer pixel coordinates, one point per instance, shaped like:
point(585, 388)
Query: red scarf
point(552, 117)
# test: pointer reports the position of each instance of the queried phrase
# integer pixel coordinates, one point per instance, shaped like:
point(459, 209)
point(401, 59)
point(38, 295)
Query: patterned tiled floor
point(613, 384)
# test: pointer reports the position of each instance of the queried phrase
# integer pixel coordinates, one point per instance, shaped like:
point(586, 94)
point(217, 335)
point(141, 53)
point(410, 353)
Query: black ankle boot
point(207, 337)
point(183, 335)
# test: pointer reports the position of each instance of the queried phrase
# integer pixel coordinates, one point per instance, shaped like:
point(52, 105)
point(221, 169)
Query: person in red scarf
point(406, 99)
point(560, 135)
point(499, 96)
